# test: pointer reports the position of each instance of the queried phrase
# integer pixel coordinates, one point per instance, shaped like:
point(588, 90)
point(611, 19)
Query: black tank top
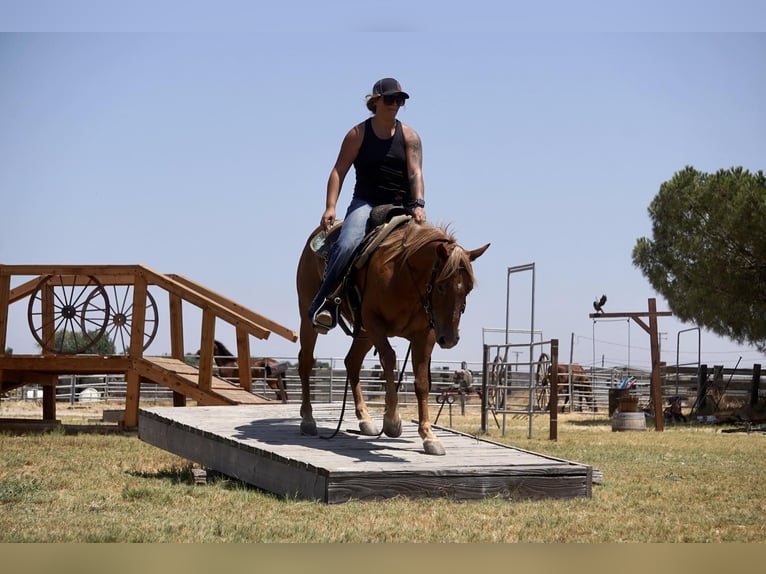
point(381, 167)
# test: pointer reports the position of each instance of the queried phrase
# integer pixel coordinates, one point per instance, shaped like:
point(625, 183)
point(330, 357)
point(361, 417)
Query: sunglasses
point(395, 99)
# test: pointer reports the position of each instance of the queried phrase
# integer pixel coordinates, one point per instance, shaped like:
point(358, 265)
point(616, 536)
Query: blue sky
point(204, 149)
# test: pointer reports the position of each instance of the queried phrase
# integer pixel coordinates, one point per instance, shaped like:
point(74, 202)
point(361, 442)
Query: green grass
point(687, 484)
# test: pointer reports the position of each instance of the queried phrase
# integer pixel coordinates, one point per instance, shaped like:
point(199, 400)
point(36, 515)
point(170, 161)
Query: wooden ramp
point(184, 379)
point(262, 446)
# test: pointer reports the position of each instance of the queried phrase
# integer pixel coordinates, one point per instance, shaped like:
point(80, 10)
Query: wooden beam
point(656, 382)
point(69, 364)
point(243, 361)
point(176, 339)
point(628, 315)
point(132, 398)
point(641, 324)
point(175, 312)
point(139, 317)
point(206, 350)
point(49, 398)
point(553, 384)
point(5, 288)
point(265, 322)
point(227, 314)
point(95, 270)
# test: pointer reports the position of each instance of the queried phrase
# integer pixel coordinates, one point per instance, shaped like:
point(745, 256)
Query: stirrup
point(326, 317)
point(323, 321)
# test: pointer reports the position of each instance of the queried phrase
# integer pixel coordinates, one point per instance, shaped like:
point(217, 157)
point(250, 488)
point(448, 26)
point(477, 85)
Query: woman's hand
point(328, 218)
point(419, 214)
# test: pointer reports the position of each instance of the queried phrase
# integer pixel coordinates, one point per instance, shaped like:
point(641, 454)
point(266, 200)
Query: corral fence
point(513, 387)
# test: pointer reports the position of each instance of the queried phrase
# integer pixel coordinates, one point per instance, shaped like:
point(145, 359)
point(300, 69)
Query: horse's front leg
point(356, 354)
point(421, 364)
point(392, 422)
point(305, 365)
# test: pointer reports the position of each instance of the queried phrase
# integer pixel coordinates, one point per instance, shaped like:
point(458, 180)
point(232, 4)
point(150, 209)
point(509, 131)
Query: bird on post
point(598, 305)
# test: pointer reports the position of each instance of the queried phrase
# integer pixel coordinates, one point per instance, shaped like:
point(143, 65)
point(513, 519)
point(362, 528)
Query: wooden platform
point(262, 446)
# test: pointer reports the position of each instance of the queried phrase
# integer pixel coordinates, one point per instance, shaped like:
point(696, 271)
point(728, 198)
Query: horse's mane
point(221, 350)
point(415, 237)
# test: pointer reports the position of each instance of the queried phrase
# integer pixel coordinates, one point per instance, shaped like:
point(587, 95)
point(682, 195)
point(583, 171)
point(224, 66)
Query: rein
point(425, 301)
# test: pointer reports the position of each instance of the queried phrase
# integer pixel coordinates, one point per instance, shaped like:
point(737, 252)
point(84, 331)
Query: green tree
point(68, 341)
point(707, 256)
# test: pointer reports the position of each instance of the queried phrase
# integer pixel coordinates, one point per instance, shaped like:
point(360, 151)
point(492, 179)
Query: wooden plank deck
point(262, 446)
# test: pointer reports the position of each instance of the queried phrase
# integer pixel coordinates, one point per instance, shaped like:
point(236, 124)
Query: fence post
point(755, 384)
point(553, 384)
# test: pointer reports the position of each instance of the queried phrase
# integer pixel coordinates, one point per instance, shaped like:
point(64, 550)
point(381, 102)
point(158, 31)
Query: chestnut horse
point(270, 370)
point(581, 385)
point(413, 286)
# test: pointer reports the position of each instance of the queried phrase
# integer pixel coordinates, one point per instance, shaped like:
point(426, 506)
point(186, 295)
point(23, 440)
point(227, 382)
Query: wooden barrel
point(628, 422)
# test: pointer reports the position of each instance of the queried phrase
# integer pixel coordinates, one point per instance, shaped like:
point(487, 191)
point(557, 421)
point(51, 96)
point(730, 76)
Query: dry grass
point(689, 483)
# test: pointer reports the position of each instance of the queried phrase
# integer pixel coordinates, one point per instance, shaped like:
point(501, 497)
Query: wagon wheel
point(497, 378)
point(541, 381)
point(53, 319)
point(121, 316)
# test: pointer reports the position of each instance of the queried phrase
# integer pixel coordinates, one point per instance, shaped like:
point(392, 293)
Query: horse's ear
point(476, 253)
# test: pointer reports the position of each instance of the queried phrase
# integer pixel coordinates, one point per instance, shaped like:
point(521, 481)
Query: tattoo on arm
point(415, 161)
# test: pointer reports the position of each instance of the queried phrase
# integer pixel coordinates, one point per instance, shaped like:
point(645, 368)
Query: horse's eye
point(441, 288)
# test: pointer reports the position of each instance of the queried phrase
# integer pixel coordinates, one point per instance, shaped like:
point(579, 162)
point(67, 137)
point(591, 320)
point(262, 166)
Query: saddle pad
point(382, 231)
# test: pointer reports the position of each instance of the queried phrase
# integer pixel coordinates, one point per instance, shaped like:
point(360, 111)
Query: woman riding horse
point(414, 285)
point(386, 155)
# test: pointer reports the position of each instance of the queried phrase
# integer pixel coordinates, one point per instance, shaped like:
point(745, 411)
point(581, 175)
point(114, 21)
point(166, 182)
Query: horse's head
point(453, 281)
point(220, 353)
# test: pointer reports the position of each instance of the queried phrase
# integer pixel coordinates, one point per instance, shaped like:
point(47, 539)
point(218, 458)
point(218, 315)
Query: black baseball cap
point(388, 87)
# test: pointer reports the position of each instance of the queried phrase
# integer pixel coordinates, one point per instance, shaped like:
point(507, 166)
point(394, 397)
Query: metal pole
point(531, 354)
point(516, 269)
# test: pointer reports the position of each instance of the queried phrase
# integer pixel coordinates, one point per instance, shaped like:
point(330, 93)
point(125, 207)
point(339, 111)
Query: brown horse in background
point(413, 286)
point(581, 385)
point(269, 370)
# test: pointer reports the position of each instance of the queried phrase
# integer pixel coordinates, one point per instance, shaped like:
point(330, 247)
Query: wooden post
point(5, 299)
point(651, 328)
point(49, 398)
point(484, 389)
point(755, 384)
point(553, 381)
point(206, 350)
point(132, 397)
point(656, 384)
point(701, 389)
point(176, 339)
point(243, 361)
point(133, 380)
point(139, 317)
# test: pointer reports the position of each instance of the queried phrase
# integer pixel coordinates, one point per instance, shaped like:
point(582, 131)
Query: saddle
point(382, 221)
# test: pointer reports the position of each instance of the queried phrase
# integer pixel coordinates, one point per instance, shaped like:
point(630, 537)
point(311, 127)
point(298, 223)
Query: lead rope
point(426, 302)
point(345, 397)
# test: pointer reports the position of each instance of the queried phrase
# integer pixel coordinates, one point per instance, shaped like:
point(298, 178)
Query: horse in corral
point(267, 369)
point(414, 285)
point(581, 385)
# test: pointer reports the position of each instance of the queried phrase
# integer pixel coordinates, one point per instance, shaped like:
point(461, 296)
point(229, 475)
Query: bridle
point(425, 299)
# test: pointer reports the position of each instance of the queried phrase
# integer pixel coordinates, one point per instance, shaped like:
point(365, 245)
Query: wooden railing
point(179, 290)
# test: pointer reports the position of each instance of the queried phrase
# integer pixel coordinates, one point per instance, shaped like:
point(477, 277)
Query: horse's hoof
point(433, 446)
point(368, 428)
point(309, 428)
point(392, 430)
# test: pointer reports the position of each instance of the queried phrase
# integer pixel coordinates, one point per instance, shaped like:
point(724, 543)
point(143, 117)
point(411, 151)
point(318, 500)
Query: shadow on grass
point(594, 422)
point(185, 475)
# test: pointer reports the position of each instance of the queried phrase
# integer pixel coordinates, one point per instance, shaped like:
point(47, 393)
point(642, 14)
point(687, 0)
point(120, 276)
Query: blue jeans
point(351, 235)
